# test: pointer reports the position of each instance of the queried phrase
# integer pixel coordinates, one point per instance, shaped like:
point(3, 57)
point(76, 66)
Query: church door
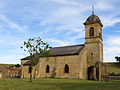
point(90, 73)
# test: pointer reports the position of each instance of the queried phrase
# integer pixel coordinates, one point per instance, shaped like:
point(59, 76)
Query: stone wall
point(57, 65)
point(76, 64)
point(83, 64)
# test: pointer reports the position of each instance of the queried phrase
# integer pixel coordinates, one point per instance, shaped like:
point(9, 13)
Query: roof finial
point(92, 10)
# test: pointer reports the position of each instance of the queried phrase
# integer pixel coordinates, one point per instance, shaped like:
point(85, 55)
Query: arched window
point(47, 69)
point(91, 32)
point(66, 69)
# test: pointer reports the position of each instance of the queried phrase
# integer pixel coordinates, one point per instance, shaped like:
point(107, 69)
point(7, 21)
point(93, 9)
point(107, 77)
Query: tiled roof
point(63, 51)
point(12, 68)
point(5, 69)
point(28, 62)
point(66, 50)
point(93, 19)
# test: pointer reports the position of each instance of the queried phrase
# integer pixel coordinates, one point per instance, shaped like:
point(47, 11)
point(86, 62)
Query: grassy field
point(113, 67)
point(57, 84)
point(5, 65)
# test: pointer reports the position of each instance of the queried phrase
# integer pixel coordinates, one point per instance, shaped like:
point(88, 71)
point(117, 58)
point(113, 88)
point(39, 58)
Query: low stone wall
point(114, 77)
point(10, 72)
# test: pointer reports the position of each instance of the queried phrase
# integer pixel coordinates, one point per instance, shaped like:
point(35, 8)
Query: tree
point(36, 48)
point(15, 65)
point(117, 58)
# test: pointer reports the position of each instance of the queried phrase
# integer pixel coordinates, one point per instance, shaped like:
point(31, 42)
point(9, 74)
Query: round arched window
point(66, 69)
point(91, 32)
point(47, 69)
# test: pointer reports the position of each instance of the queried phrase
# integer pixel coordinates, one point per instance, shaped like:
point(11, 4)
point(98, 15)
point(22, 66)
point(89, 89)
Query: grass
point(5, 65)
point(113, 67)
point(57, 84)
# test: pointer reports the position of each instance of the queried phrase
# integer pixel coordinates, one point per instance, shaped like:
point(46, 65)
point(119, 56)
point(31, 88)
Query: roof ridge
point(69, 46)
point(64, 50)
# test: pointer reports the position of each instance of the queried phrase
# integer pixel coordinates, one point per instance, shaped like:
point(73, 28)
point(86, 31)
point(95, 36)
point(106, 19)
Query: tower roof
point(93, 19)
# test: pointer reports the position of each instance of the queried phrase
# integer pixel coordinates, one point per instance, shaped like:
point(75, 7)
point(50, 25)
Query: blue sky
point(58, 22)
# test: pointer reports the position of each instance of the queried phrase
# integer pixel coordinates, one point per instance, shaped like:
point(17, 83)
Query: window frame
point(91, 32)
point(66, 68)
point(47, 69)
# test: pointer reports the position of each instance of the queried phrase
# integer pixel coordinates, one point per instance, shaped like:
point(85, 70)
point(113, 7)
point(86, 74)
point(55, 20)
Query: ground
point(5, 65)
point(113, 67)
point(57, 84)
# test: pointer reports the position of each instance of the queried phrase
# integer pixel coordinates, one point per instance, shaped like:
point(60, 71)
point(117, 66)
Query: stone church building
point(83, 61)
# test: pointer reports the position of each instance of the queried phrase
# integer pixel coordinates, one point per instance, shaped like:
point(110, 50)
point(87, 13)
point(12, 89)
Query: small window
point(91, 54)
point(91, 32)
point(66, 69)
point(47, 69)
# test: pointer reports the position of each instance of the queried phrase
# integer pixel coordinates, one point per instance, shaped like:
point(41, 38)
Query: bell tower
point(93, 39)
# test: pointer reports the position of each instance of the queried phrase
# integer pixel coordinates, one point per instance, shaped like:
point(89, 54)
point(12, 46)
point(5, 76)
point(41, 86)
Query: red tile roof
point(12, 68)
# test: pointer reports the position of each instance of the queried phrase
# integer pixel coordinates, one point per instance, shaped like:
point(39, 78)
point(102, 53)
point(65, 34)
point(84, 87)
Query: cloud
point(66, 2)
point(12, 59)
point(63, 25)
point(110, 21)
point(10, 41)
point(111, 47)
point(56, 42)
point(59, 22)
point(13, 25)
point(117, 31)
point(113, 41)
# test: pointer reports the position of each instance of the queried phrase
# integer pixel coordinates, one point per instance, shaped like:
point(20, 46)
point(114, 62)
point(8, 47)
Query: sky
point(57, 22)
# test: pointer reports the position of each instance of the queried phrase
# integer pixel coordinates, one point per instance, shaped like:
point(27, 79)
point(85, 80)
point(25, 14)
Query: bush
point(113, 74)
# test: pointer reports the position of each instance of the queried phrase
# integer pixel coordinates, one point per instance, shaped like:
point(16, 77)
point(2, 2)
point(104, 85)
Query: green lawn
point(57, 84)
point(5, 65)
point(113, 67)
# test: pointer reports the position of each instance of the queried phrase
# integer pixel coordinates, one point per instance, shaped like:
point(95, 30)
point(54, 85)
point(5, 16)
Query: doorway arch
point(90, 73)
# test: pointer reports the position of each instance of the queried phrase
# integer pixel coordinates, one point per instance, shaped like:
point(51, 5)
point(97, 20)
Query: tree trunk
point(31, 77)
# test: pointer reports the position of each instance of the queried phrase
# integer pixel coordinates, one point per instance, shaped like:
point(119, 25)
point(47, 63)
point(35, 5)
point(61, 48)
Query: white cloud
point(117, 31)
point(58, 42)
point(55, 16)
point(66, 2)
point(65, 19)
point(13, 25)
point(104, 5)
point(111, 48)
point(110, 21)
point(10, 41)
point(113, 41)
point(11, 58)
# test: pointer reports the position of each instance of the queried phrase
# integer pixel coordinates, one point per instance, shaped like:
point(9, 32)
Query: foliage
point(15, 65)
point(36, 48)
point(57, 84)
point(114, 74)
point(117, 58)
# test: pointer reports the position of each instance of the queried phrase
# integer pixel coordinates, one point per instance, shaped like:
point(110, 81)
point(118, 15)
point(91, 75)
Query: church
point(83, 61)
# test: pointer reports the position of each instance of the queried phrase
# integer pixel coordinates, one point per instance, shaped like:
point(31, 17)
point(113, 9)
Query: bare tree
point(36, 48)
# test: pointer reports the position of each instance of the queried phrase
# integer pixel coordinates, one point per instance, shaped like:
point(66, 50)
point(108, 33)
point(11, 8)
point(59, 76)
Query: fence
point(114, 77)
